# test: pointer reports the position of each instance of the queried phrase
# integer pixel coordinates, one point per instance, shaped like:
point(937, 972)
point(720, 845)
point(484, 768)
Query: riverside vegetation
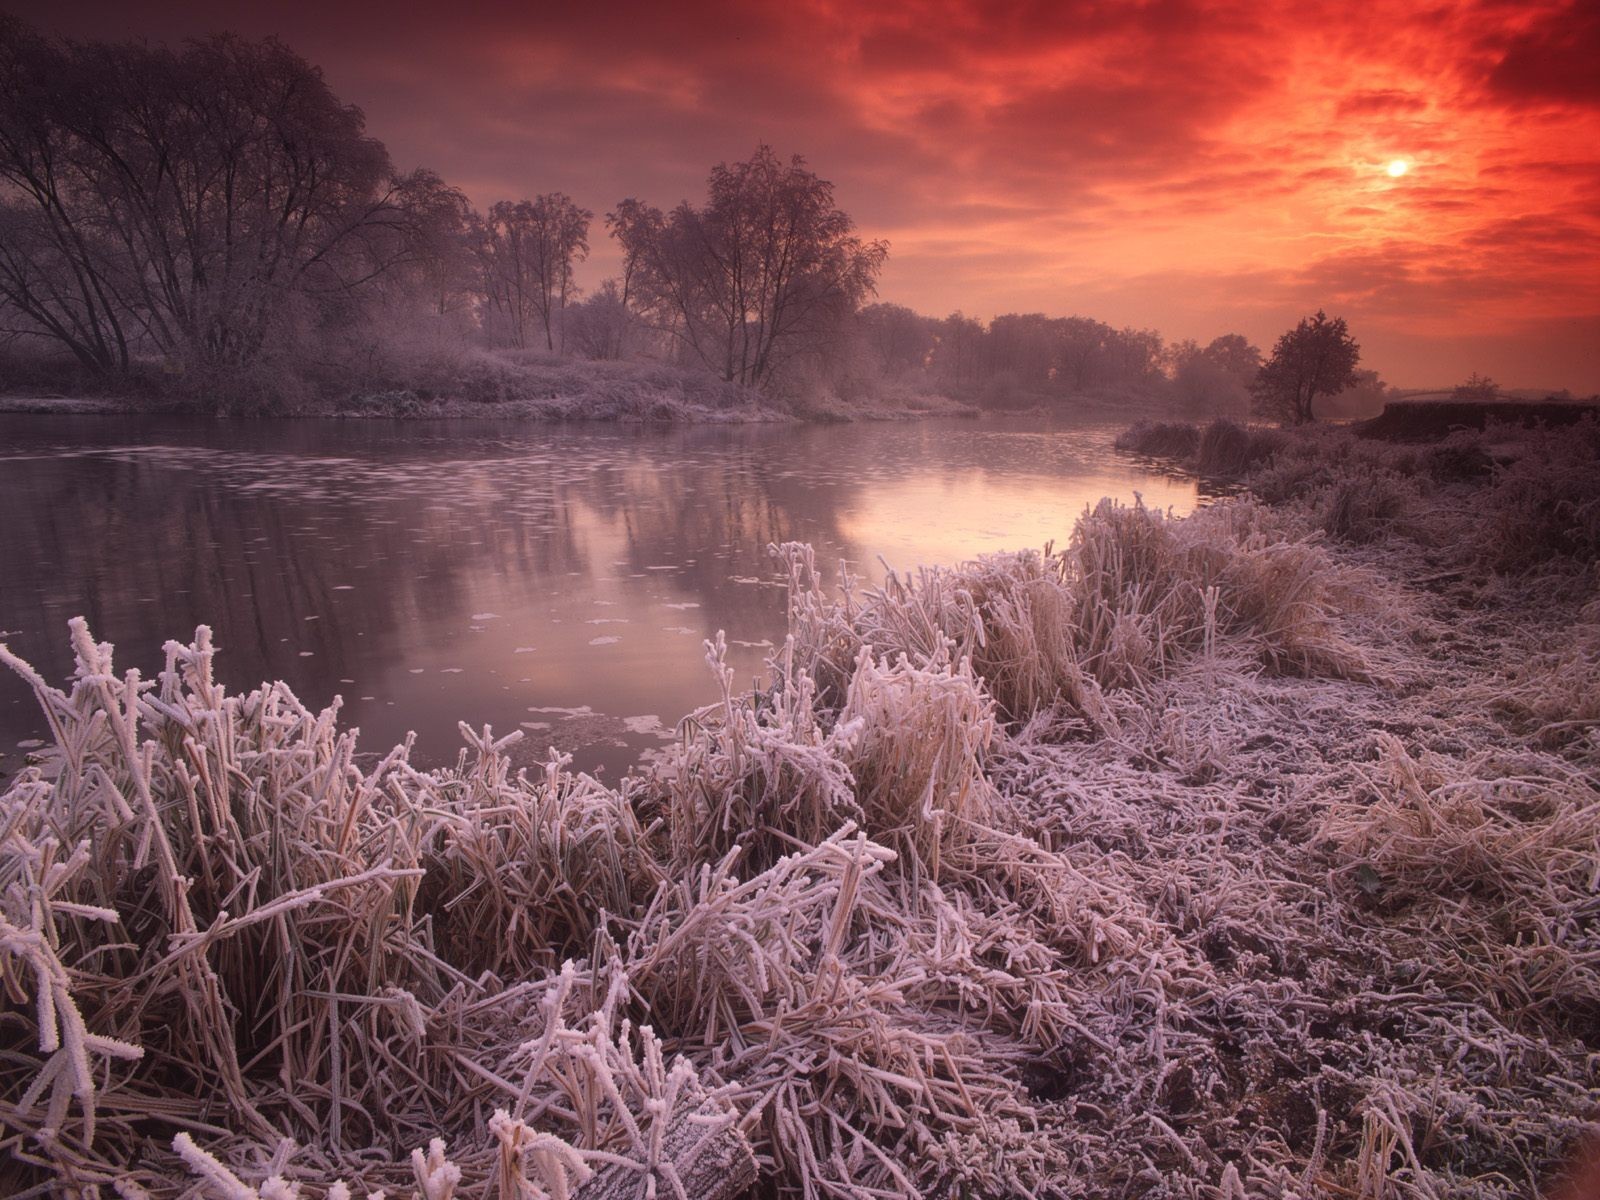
point(1253, 853)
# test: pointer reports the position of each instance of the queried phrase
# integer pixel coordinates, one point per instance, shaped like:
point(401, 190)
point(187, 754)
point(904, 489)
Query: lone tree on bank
point(1317, 357)
point(766, 270)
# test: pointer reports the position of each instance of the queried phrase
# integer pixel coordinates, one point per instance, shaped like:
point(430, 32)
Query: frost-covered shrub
point(273, 386)
point(1545, 506)
point(402, 402)
point(1431, 831)
point(917, 741)
point(1555, 694)
point(265, 930)
point(1289, 478)
point(1229, 449)
point(1459, 458)
point(1161, 439)
point(1132, 595)
point(1365, 508)
point(1152, 590)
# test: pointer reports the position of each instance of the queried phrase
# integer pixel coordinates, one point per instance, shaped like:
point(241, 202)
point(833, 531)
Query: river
point(557, 579)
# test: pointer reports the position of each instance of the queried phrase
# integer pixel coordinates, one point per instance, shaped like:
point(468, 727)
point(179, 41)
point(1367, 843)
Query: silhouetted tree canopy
point(768, 268)
point(1317, 357)
point(1477, 387)
point(193, 203)
point(1233, 354)
point(898, 338)
point(1214, 377)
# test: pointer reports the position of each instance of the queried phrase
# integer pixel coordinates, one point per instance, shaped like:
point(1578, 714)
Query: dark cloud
point(1381, 102)
point(1556, 59)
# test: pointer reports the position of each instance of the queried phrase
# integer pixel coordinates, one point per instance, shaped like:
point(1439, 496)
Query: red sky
point(1197, 168)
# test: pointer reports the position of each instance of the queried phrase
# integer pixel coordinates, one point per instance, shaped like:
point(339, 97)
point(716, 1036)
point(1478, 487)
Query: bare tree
point(767, 269)
point(187, 202)
point(56, 267)
point(529, 249)
point(443, 273)
point(1317, 357)
point(600, 326)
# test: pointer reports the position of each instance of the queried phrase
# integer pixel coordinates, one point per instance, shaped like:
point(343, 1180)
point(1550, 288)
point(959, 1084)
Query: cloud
point(1382, 101)
point(1555, 59)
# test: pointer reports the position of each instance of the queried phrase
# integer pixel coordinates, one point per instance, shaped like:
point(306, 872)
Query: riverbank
point(1430, 420)
point(503, 386)
point(1241, 854)
point(535, 387)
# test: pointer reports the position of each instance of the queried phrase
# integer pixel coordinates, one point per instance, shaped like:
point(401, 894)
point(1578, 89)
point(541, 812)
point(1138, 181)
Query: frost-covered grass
point(1165, 439)
point(1521, 498)
point(438, 381)
point(1224, 856)
point(546, 387)
point(1222, 448)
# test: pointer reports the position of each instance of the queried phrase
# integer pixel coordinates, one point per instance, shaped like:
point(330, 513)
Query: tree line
point(216, 204)
point(1031, 356)
point(215, 213)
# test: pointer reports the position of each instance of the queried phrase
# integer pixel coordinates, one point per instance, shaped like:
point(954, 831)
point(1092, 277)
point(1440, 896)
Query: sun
point(1397, 167)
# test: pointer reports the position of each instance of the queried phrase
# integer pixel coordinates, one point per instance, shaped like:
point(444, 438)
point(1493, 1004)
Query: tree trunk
point(715, 1165)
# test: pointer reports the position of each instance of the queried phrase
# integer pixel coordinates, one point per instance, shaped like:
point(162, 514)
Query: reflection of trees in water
point(713, 520)
point(96, 534)
point(253, 528)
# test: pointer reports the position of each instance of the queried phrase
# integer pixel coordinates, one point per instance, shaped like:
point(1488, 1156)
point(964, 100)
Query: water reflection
point(558, 579)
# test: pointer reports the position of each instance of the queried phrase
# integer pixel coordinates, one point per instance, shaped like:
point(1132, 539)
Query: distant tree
point(768, 268)
point(528, 251)
point(954, 357)
point(1477, 387)
point(1215, 377)
point(1020, 351)
point(1317, 357)
point(600, 326)
point(1197, 383)
point(1232, 353)
point(1132, 355)
point(1080, 349)
point(442, 277)
point(1365, 397)
point(897, 339)
point(1185, 350)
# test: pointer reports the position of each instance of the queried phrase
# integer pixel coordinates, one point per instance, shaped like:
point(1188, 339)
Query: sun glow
point(1397, 167)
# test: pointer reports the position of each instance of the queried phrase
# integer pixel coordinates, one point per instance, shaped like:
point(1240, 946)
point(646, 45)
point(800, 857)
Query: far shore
point(666, 408)
point(640, 393)
point(511, 410)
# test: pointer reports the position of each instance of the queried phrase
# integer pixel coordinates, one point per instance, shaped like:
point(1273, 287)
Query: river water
point(561, 580)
